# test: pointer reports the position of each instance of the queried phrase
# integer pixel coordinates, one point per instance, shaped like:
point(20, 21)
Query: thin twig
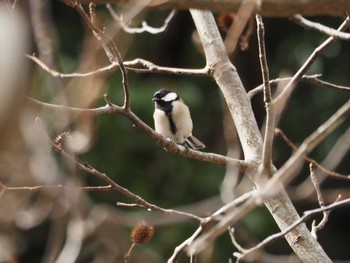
point(336, 175)
point(241, 250)
point(111, 51)
point(286, 172)
point(298, 19)
point(313, 79)
point(219, 215)
point(282, 98)
point(242, 17)
point(229, 218)
point(59, 186)
point(269, 105)
point(127, 255)
point(143, 66)
point(319, 226)
point(334, 157)
point(137, 65)
point(179, 249)
point(144, 26)
point(325, 84)
point(104, 177)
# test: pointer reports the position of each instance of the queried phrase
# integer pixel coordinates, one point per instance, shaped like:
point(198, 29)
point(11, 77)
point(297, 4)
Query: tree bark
point(227, 78)
point(266, 8)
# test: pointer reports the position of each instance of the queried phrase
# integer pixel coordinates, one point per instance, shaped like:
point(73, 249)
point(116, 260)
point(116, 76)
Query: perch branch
point(138, 123)
point(104, 177)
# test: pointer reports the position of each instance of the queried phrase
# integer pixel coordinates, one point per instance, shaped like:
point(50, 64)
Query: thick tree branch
point(226, 76)
point(306, 215)
point(280, 206)
point(267, 8)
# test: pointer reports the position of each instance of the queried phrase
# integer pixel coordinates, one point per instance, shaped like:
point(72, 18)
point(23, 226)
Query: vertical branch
point(109, 47)
point(326, 213)
point(242, 17)
point(270, 112)
point(230, 84)
point(227, 78)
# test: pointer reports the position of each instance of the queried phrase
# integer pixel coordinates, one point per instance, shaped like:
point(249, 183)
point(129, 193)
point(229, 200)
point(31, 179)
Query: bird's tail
point(194, 143)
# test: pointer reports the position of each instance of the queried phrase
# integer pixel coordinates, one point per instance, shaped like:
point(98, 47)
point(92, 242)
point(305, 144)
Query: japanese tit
point(172, 119)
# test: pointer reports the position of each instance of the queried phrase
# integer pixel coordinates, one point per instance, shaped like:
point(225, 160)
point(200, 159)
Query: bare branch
point(282, 135)
point(241, 250)
point(209, 221)
point(282, 98)
point(179, 249)
point(326, 213)
point(236, 98)
point(319, 27)
point(242, 17)
point(137, 65)
point(110, 49)
point(286, 172)
point(59, 186)
point(267, 8)
point(138, 123)
point(313, 79)
point(144, 26)
point(226, 77)
point(91, 170)
point(321, 83)
point(144, 66)
point(269, 107)
point(306, 215)
point(334, 157)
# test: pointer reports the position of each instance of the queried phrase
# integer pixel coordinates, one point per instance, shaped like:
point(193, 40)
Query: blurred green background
point(168, 180)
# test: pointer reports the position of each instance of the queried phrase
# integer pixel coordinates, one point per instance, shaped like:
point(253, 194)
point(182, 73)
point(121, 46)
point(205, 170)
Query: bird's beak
point(154, 99)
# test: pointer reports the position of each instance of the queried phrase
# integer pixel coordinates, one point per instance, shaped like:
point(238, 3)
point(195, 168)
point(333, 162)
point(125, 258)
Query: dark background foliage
point(137, 163)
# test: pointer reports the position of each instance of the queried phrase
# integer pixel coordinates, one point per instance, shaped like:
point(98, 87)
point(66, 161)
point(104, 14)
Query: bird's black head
point(165, 96)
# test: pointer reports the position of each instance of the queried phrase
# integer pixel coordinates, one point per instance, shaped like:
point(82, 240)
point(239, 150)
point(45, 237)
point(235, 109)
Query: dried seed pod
point(142, 233)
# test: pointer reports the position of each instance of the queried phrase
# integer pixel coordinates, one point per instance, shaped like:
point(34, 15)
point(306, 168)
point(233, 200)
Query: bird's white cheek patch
point(170, 96)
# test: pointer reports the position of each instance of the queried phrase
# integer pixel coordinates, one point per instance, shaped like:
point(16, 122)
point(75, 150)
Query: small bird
point(172, 119)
